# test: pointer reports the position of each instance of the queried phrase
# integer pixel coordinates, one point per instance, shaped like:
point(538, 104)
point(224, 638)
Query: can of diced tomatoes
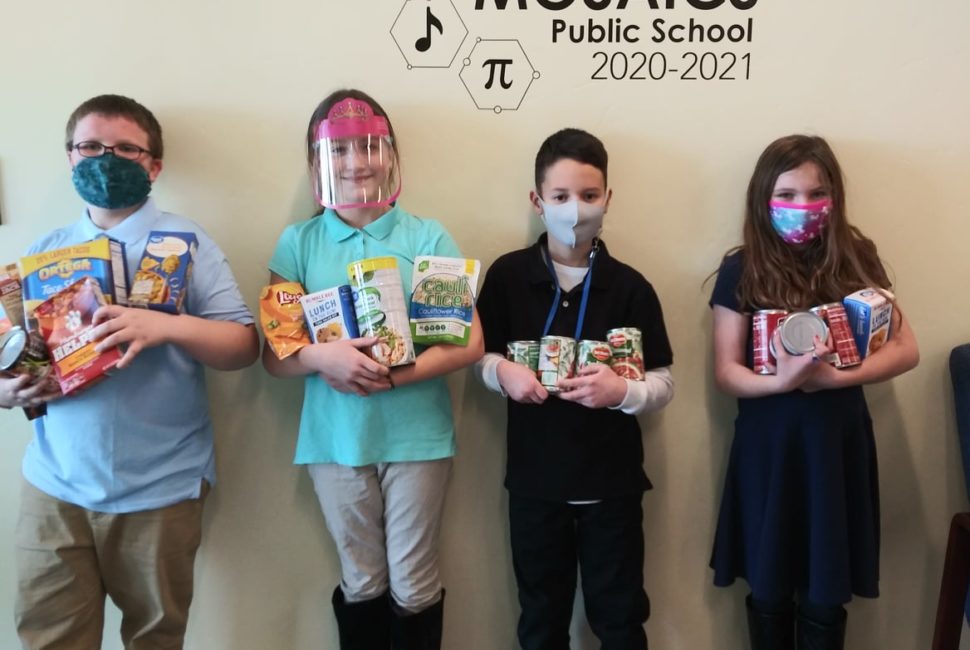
point(589, 353)
point(846, 353)
point(764, 322)
point(626, 348)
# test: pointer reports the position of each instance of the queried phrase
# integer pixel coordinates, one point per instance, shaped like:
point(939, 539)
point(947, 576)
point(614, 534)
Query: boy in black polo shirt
point(575, 459)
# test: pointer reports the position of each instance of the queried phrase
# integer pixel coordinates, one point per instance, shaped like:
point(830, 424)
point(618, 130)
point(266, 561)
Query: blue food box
point(162, 278)
point(330, 314)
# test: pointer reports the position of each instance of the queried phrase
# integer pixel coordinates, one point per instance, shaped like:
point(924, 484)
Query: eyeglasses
point(94, 149)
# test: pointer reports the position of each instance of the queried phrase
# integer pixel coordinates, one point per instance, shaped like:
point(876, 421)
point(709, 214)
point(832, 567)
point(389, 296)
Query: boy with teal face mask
point(575, 457)
point(116, 475)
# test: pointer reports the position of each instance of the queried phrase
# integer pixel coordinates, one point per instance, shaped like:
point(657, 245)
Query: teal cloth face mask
point(111, 182)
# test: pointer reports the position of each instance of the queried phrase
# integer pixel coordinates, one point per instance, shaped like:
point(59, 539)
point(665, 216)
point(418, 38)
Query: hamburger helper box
point(870, 313)
point(45, 274)
point(65, 322)
point(162, 278)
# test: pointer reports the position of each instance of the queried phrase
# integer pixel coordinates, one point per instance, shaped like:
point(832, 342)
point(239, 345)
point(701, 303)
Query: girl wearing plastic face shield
point(360, 419)
point(573, 204)
point(362, 169)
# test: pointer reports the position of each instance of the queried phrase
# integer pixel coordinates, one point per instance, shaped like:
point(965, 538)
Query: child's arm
point(732, 375)
point(517, 381)
point(443, 358)
point(651, 394)
point(223, 345)
point(340, 363)
point(899, 354)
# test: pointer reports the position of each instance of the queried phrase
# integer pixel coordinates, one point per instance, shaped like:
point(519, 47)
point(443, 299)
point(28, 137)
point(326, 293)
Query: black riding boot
point(365, 625)
point(771, 630)
point(421, 631)
point(815, 635)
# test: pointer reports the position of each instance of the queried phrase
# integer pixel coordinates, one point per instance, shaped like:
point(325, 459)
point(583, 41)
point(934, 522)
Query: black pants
point(606, 539)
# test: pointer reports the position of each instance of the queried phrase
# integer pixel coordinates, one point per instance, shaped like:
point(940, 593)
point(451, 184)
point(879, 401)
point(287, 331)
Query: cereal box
point(330, 314)
point(281, 317)
point(442, 299)
point(870, 313)
point(11, 299)
point(45, 274)
point(162, 277)
point(65, 322)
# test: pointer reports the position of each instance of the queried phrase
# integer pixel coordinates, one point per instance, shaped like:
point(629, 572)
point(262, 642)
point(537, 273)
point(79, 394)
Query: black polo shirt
point(560, 450)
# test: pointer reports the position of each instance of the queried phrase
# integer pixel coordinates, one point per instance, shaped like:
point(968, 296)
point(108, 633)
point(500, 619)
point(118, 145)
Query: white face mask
point(574, 221)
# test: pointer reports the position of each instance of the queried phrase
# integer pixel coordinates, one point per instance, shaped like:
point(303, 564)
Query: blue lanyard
point(555, 299)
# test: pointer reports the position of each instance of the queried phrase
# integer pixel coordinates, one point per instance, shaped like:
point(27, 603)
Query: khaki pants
point(68, 558)
point(385, 520)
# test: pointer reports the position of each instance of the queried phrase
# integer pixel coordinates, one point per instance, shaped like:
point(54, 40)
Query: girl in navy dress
point(799, 516)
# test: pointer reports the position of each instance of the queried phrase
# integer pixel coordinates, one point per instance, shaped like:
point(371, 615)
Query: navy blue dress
point(800, 508)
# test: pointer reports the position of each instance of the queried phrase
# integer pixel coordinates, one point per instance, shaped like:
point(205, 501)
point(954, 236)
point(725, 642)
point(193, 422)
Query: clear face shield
point(355, 165)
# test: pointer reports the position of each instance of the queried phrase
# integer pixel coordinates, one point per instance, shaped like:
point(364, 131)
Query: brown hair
point(777, 275)
point(118, 106)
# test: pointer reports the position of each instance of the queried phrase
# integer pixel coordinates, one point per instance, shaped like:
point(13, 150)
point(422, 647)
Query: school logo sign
point(635, 41)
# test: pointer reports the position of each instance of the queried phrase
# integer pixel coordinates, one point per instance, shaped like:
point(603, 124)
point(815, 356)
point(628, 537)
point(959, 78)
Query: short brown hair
point(118, 106)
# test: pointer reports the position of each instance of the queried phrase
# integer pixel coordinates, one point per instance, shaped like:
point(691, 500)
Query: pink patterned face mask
point(799, 223)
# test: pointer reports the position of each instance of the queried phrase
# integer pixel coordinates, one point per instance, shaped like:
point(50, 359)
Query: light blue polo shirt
point(142, 438)
point(408, 423)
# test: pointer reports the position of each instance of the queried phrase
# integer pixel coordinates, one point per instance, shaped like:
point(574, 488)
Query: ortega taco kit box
point(45, 274)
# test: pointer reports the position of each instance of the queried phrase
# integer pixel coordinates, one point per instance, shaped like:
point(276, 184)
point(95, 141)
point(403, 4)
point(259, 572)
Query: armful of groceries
point(355, 334)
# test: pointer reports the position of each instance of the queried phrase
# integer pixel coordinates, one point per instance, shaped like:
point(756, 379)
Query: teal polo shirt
point(409, 423)
point(142, 438)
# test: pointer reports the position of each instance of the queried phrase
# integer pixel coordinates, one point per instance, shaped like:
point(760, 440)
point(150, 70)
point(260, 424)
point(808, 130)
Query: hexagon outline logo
point(498, 66)
point(434, 26)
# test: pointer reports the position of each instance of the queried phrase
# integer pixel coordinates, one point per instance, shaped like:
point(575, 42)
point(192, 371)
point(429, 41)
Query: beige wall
point(233, 84)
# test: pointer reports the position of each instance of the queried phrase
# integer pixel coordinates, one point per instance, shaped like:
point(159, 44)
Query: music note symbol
point(423, 44)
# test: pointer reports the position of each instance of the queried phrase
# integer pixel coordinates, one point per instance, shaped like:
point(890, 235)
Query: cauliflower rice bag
point(443, 299)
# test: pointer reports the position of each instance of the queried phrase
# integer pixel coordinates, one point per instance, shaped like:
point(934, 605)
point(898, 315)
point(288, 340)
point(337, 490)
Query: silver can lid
point(12, 345)
point(799, 329)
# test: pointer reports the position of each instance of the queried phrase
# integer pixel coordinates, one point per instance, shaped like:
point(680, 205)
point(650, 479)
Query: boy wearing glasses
point(116, 475)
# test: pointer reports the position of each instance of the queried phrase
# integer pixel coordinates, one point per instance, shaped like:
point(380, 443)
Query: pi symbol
point(428, 33)
point(497, 74)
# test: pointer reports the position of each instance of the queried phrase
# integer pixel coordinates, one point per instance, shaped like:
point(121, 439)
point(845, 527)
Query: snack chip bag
point(65, 322)
point(443, 299)
point(281, 317)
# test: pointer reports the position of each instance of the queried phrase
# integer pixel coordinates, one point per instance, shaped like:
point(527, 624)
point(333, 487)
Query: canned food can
point(798, 331)
point(524, 353)
point(381, 309)
point(590, 353)
point(557, 358)
point(626, 352)
point(764, 322)
point(846, 352)
point(25, 352)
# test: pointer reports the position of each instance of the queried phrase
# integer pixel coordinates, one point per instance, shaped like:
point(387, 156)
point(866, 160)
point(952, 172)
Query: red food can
point(764, 322)
point(846, 351)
